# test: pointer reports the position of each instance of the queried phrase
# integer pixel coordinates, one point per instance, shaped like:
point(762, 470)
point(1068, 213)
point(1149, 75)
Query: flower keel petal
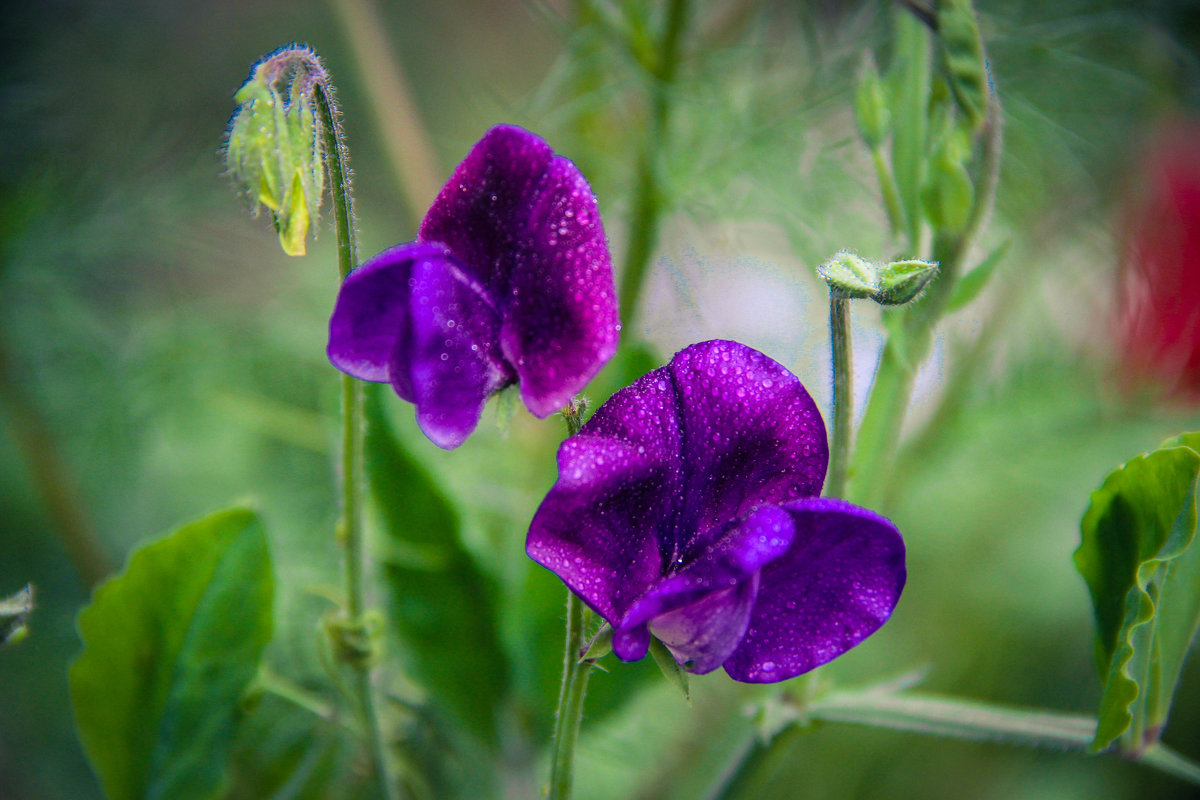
point(835, 586)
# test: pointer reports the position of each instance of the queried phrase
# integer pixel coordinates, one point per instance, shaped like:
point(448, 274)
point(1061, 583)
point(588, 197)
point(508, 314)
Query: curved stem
point(843, 394)
point(908, 347)
point(647, 203)
point(350, 525)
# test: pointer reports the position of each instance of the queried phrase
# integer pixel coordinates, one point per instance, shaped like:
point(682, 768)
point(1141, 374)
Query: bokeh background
point(160, 357)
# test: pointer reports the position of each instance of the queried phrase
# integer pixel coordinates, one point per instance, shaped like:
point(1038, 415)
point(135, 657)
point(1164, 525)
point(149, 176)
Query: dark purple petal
point(560, 323)
point(482, 213)
point(837, 583)
point(525, 223)
point(595, 529)
point(372, 313)
point(452, 360)
point(702, 610)
point(750, 435)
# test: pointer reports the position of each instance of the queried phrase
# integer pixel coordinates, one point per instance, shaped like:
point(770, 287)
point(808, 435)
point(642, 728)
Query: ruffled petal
point(371, 315)
point(525, 224)
point(835, 585)
point(702, 611)
point(595, 529)
point(483, 211)
point(452, 359)
point(561, 323)
point(750, 435)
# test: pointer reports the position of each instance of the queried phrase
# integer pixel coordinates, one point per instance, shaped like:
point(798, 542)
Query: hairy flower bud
point(850, 275)
point(275, 149)
point(901, 282)
point(871, 113)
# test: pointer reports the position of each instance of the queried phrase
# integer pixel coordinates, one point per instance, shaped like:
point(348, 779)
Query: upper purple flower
point(509, 281)
point(687, 507)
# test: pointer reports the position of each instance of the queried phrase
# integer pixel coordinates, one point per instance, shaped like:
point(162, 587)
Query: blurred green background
point(161, 357)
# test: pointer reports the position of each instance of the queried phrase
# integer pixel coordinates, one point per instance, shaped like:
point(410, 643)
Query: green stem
point(575, 669)
point(51, 478)
point(843, 394)
point(908, 347)
point(350, 526)
point(967, 719)
point(887, 188)
point(647, 203)
point(570, 701)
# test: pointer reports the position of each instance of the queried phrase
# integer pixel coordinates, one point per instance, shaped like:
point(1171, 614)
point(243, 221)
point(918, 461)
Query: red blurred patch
point(1158, 299)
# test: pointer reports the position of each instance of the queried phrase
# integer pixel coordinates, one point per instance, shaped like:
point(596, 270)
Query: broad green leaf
point(441, 605)
point(1143, 570)
point(169, 645)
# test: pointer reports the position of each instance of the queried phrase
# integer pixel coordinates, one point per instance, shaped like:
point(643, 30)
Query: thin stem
point(647, 203)
point(350, 526)
point(575, 669)
point(570, 701)
point(406, 139)
point(51, 478)
point(887, 188)
point(843, 394)
point(907, 348)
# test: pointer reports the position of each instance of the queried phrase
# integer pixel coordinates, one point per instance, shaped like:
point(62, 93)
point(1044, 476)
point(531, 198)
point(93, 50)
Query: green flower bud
point(275, 150)
point(903, 281)
point(849, 275)
point(871, 112)
point(963, 59)
point(949, 194)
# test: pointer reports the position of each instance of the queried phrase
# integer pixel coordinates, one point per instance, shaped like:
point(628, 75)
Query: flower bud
point(903, 281)
point(850, 275)
point(963, 59)
point(275, 150)
point(948, 194)
point(871, 112)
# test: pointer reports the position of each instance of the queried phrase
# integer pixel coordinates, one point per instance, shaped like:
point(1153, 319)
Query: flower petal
point(372, 313)
point(483, 211)
point(596, 527)
point(837, 583)
point(452, 359)
point(525, 224)
point(702, 611)
point(750, 435)
point(561, 323)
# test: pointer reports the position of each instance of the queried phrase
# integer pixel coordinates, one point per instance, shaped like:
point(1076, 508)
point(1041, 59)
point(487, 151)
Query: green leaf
point(441, 605)
point(670, 668)
point(168, 647)
point(908, 91)
point(973, 283)
point(1143, 570)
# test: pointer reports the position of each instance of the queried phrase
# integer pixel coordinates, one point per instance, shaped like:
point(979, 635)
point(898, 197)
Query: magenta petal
point(371, 313)
point(452, 359)
point(837, 583)
point(751, 435)
point(560, 324)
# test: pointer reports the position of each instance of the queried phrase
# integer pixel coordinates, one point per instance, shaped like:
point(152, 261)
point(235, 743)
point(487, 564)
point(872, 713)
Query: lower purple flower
point(687, 508)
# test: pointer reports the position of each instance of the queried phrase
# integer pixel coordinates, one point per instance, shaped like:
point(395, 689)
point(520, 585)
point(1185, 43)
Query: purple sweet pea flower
point(687, 508)
point(509, 281)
